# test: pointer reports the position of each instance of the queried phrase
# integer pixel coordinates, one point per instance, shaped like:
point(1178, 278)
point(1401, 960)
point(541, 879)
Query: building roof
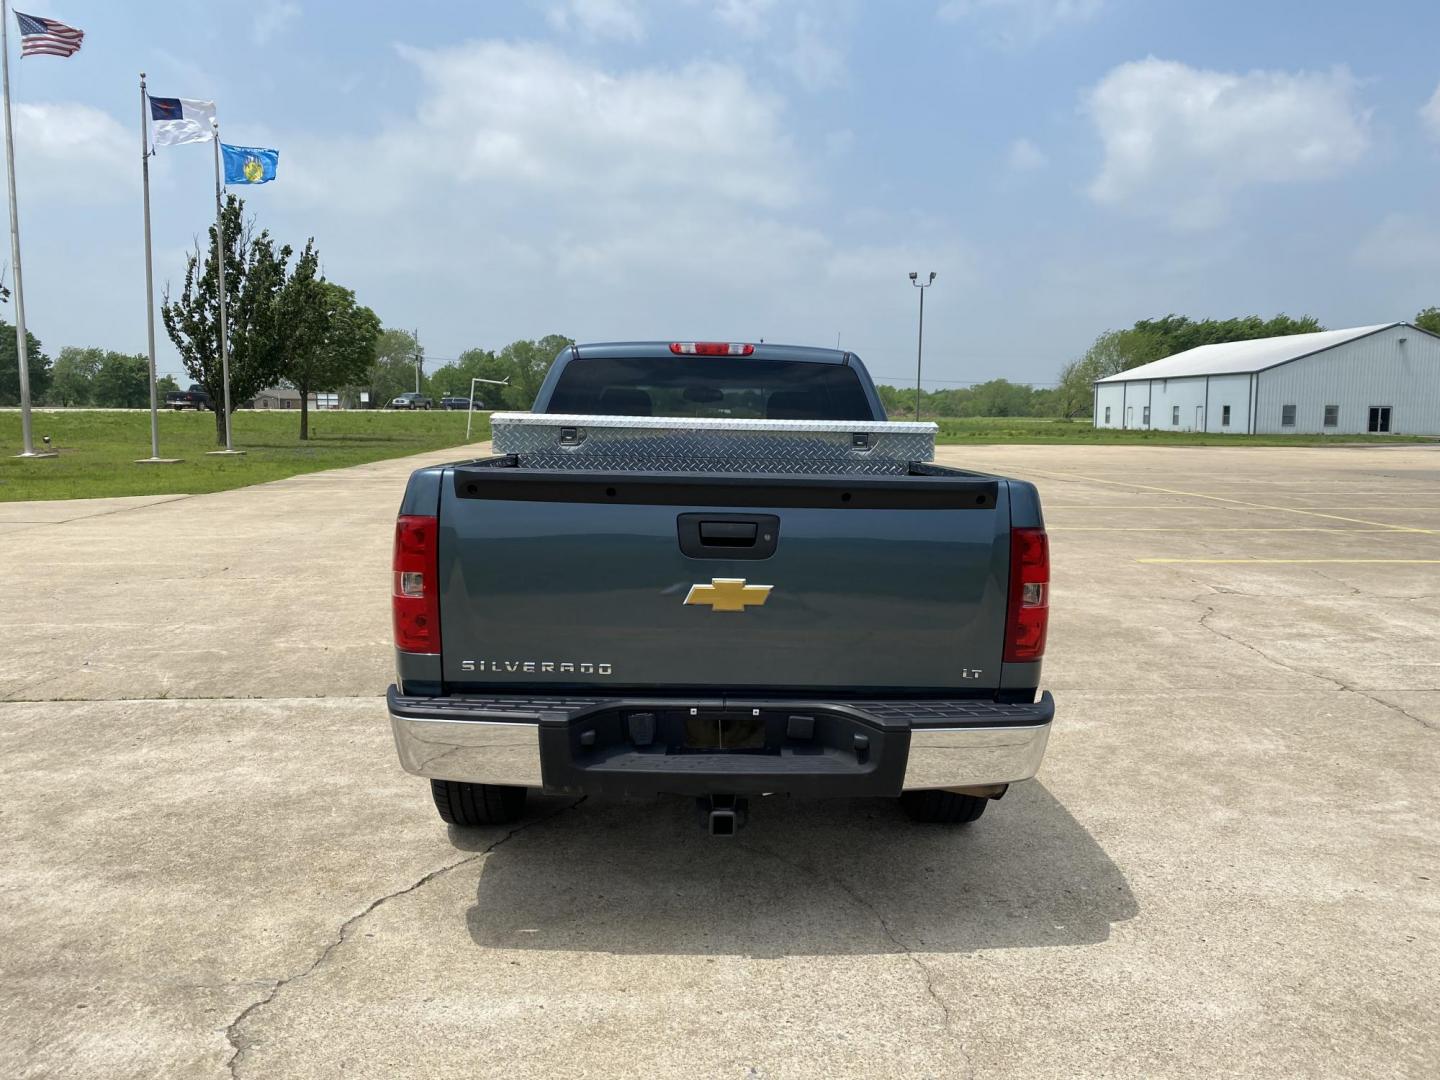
point(1244, 357)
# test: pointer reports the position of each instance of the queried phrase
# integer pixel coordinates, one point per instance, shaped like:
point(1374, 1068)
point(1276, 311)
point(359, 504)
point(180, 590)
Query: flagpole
point(220, 264)
point(154, 458)
point(21, 349)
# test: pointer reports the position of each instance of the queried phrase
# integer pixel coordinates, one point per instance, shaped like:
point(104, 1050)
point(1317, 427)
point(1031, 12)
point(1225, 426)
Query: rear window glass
point(706, 386)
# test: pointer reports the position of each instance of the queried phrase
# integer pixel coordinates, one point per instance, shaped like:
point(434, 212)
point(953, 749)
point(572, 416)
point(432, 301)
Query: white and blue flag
point(181, 120)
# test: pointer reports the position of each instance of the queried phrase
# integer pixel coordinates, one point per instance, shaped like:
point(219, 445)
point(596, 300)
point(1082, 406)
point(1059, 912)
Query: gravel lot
point(211, 866)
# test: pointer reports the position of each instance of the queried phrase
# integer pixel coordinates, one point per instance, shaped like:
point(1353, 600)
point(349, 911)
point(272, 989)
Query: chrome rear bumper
point(930, 745)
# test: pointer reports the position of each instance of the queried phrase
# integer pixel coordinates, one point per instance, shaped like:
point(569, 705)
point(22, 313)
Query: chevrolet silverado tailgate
point(650, 581)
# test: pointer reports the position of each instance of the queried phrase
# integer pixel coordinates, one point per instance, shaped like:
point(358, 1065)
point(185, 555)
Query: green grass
point(1005, 429)
point(98, 449)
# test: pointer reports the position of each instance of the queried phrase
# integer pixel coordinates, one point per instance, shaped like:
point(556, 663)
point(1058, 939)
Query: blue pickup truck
point(696, 572)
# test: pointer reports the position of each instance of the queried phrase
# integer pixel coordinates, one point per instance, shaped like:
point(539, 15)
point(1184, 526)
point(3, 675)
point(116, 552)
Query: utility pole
point(920, 341)
point(418, 360)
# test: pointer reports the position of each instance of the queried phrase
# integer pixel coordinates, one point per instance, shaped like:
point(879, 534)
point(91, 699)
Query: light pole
point(920, 341)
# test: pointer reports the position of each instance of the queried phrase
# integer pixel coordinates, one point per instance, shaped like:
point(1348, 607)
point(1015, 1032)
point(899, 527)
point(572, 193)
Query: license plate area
point(721, 730)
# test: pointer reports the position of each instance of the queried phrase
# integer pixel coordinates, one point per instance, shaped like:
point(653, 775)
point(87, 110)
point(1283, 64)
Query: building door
point(1129, 416)
point(1199, 417)
point(1379, 418)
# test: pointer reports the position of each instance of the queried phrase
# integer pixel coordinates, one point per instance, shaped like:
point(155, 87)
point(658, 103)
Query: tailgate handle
point(731, 533)
point(728, 536)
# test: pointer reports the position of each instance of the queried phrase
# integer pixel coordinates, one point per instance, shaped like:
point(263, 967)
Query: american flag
point(46, 37)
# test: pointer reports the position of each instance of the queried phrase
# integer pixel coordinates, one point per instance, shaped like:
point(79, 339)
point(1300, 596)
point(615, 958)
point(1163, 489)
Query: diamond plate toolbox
point(705, 445)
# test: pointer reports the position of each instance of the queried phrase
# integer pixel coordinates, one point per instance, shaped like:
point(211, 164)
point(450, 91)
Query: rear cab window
point(714, 387)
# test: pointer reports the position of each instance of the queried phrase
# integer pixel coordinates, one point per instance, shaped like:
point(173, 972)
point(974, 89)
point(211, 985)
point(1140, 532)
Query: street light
point(920, 342)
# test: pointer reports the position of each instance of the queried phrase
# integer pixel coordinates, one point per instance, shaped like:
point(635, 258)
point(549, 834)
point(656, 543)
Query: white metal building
point(1382, 378)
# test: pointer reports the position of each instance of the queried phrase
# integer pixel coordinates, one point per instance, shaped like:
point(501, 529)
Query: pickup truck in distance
point(195, 398)
point(713, 569)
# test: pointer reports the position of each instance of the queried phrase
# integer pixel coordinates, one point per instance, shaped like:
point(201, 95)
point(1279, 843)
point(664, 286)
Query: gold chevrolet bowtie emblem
point(728, 594)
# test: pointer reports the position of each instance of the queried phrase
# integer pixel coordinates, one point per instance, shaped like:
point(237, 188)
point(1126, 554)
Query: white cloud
point(531, 189)
point(815, 60)
point(747, 17)
point(1430, 113)
point(1025, 156)
point(1401, 242)
point(1013, 22)
point(805, 40)
point(271, 17)
point(617, 19)
point(73, 151)
point(1179, 141)
point(532, 115)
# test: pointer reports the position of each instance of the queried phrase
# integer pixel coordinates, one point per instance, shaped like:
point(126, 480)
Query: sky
point(758, 169)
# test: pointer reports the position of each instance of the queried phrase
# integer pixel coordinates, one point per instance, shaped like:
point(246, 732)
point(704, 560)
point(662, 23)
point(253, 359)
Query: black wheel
point(460, 803)
point(943, 807)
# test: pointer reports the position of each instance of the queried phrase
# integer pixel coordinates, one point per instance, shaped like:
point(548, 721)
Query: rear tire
point(942, 807)
point(465, 804)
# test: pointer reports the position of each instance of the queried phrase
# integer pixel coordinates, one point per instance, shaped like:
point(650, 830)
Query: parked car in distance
point(412, 401)
point(459, 403)
point(195, 398)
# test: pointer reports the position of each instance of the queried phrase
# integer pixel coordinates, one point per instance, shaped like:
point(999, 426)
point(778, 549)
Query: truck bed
point(849, 585)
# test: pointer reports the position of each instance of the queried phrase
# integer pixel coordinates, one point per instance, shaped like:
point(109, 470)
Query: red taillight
point(415, 596)
point(1029, 611)
point(711, 348)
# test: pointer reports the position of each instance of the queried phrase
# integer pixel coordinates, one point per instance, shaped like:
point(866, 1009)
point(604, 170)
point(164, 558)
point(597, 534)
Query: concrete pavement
point(212, 865)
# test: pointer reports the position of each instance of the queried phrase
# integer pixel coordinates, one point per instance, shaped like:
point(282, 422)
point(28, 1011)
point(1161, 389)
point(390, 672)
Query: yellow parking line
point(1159, 529)
point(1233, 502)
point(1123, 506)
point(1407, 509)
point(1410, 562)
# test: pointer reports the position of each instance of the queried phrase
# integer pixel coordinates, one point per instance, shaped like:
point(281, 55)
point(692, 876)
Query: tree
point(254, 279)
point(1074, 395)
point(165, 384)
point(454, 378)
point(331, 338)
point(122, 382)
point(1429, 319)
point(73, 381)
point(1176, 333)
point(38, 366)
point(1000, 397)
point(525, 363)
point(391, 371)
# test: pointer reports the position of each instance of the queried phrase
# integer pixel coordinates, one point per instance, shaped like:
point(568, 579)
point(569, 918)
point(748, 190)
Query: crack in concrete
point(1211, 610)
point(239, 1044)
point(926, 974)
point(160, 500)
point(1339, 684)
point(181, 697)
point(1394, 708)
